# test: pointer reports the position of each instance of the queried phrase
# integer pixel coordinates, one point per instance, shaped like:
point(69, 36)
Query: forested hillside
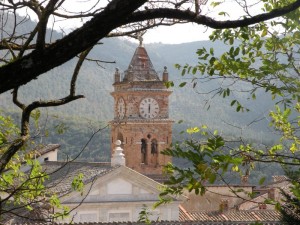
point(95, 82)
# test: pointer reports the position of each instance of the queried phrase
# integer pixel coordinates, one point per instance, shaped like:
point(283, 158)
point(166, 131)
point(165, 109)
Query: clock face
point(121, 108)
point(149, 108)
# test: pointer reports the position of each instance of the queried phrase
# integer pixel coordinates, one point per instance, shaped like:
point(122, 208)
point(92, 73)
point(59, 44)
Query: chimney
point(245, 180)
point(224, 206)
point(271, 193)
point(118, 156)
point(262, 205)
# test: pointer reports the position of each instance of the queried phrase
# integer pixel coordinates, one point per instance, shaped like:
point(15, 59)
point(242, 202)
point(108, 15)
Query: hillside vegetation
point(96, 109)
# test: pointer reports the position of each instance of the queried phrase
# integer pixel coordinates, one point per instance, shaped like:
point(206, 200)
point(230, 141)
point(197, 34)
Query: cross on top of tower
point(141, 40)
point(140, 67)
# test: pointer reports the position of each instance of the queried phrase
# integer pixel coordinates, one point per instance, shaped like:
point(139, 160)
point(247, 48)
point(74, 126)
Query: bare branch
point(37, 62)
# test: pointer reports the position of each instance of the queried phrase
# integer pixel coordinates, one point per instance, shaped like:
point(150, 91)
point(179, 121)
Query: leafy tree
point(28, 54)
point(266, 55)
point(20, 188)
point(290, 209)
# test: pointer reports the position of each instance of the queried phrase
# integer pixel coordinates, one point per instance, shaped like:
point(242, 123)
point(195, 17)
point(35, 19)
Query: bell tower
point(141, 114)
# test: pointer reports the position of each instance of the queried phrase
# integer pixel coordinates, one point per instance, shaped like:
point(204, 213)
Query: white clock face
point(149, 108)
point(121, 108)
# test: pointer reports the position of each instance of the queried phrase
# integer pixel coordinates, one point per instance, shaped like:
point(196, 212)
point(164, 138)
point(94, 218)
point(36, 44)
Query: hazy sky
point(165, 34)
point(177, 34)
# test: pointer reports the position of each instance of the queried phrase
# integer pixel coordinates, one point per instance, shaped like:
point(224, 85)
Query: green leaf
point(182, 84)
point(264, 32)
point(293, 148)
point(223, 14)
point(214, 4)
point(262, 180)
point(194, 71)
point(212, 178)
point(193, 130)
point(236, 51)
point(169, 84)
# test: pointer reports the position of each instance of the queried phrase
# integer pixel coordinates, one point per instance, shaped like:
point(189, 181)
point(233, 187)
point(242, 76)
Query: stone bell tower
point(141, 114)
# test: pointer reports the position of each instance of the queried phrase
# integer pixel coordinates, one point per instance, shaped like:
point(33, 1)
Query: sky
point(175, 34)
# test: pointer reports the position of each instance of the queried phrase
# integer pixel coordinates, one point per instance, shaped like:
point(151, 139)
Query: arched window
point(154, 152)
point(154, 147)
point(144, 151)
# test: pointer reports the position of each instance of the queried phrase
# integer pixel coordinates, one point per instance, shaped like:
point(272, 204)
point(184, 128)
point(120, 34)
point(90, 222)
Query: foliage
point(27, 54)
point(22, 183)
point(144, 215)
point(8, 132)
point(266, 55)
point(290, 208)
point(210, 162)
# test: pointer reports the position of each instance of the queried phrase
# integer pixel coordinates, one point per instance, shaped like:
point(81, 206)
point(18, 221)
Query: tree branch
point(190, 16)
point(116, 14)
point(37, 62)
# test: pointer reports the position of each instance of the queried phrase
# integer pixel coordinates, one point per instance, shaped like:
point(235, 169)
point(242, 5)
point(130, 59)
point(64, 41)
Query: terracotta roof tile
point(235, 216)
point(167, 223)
point(140, 67)
point(279, 178)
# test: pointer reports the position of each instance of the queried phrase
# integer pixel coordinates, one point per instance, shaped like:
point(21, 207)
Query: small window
point(46, 159)
point(118, 217)
point(88, 217)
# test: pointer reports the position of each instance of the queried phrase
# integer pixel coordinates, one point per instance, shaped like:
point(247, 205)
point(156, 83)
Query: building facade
point(141, 114)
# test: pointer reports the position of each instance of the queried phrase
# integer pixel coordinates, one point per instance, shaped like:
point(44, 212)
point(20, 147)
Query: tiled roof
point(165, 223)
point(140, 67)
point(61, 174)
point(232, 215)
point(160, 178)
point(47, 148)
point(279, 178)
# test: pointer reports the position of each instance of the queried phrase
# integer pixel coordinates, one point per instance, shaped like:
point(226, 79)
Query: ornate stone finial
point(141, 40)
point(165, 75)
point(130, 67)
point(118, 156)
point(117, 76)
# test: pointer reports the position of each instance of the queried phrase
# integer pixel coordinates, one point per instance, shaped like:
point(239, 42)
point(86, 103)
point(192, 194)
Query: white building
point(111, 192)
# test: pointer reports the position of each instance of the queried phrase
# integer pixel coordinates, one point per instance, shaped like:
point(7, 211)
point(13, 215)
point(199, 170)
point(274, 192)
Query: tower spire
point(140, 67)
